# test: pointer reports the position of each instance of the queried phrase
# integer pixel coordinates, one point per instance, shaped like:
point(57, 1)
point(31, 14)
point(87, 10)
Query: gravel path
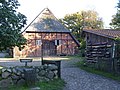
point(77, 79)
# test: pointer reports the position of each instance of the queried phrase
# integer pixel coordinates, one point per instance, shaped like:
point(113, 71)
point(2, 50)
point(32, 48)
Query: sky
point(105, 8)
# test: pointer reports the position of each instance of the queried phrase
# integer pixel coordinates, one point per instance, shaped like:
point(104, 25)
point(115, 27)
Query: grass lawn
point(95, 71)
point(56, 84)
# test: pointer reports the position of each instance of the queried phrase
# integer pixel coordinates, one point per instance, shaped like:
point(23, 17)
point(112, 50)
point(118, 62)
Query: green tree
point(76, 22)
point(115, 22)
point(11, 23)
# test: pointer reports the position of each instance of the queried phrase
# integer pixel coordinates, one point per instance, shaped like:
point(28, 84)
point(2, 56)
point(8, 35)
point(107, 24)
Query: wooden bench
point(26, 61)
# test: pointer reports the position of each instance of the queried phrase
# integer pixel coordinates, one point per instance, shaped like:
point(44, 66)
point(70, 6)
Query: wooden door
point(49, 48)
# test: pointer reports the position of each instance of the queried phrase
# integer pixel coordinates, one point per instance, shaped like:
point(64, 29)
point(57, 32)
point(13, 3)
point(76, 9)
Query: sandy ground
point(11, 62)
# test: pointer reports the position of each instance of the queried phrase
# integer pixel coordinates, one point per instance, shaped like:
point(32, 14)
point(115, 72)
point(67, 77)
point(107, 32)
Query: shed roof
point(46, 22)
point(109, 33)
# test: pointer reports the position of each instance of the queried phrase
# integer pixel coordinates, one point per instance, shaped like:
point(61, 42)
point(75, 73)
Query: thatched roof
point(109, 33)
point(46, 22)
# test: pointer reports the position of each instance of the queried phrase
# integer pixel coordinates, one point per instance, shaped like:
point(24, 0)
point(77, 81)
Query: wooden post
point(67, 45)
point(113, 53)
point(57, 51)
point(35, 45)
point(61, 44)
point(41, 50)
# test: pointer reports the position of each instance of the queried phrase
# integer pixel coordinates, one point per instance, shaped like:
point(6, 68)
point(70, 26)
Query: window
point(38, 42)
point(57, 42)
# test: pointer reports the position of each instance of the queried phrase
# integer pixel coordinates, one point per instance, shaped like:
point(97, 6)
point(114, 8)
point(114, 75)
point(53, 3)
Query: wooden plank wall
point(99, 53)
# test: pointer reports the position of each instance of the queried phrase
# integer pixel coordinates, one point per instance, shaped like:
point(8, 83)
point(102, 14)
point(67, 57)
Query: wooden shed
point(46, 35)
point(102, 50)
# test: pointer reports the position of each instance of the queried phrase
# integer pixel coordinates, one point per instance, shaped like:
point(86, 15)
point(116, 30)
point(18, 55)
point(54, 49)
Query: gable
point(46, 22)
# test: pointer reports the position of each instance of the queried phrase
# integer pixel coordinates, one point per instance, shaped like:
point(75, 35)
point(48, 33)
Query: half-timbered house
point(47, 36)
